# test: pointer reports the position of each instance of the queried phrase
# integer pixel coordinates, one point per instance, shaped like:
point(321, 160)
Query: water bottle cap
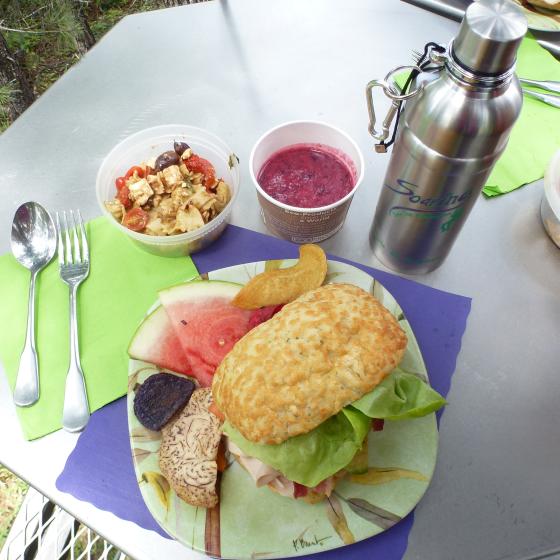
point(489, 36)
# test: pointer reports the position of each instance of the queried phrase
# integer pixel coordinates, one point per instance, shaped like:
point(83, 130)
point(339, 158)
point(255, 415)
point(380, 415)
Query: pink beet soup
point(306, 175)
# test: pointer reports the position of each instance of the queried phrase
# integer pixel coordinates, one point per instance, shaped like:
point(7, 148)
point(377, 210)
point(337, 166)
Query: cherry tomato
point(136, 219)
point(196, 164)
point(120, 183)
point(377, 424)
point(122, 197)
point(134, 169)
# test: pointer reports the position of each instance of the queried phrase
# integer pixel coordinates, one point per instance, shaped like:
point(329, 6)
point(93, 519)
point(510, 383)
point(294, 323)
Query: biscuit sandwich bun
point(299, 392)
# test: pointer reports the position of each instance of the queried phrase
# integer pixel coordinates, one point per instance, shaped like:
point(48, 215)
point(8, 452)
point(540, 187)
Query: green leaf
point(312, 457)
point(374, 514)
point(143, 434)
point(400, 395)
point(330, 277)
point(140, 454)
point(273, 265)
point(159, 484)
point(375, 476)
point(337, 519)
point(133, 382)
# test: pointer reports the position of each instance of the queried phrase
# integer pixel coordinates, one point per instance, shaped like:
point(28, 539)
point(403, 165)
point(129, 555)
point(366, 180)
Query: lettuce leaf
point(399, 396)
point(310, 458)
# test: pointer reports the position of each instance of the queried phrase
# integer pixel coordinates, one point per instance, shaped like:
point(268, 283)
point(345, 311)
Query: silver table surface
point(238, 68)
point(454, 9)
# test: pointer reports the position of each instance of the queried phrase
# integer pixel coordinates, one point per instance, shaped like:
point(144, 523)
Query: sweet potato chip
point(160, 397)
point(277, 287)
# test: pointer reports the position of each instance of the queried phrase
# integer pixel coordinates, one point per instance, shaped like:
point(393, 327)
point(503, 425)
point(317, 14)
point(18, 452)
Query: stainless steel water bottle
point(455, 124)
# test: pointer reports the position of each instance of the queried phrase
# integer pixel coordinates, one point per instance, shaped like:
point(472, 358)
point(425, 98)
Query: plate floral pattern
point(540, 19)
point(255, 523)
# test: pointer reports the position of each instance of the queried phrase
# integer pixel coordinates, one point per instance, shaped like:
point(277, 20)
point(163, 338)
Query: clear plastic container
point(149, 143)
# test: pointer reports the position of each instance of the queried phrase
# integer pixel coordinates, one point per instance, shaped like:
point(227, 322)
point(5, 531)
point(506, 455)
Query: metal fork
point(548, 98)
point(73, 261)
point(416, 56)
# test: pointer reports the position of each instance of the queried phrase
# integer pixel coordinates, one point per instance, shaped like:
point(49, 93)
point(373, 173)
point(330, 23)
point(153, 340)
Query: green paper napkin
point(122, 285)
point(536, 134)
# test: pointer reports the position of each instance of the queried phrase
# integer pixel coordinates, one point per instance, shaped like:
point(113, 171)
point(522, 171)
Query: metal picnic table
point(238, 68)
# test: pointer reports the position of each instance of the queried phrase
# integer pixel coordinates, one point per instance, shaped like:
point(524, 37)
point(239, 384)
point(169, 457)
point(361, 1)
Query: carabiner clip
point(392, 91)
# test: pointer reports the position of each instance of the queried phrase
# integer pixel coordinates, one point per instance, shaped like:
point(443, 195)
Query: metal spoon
point(33, 245)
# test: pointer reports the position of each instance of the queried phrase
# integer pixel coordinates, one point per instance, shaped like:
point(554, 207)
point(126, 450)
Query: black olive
point(180, 147)
point(165, 160)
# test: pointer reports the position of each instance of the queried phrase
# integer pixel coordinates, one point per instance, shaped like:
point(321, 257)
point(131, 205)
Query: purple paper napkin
point(438, 319)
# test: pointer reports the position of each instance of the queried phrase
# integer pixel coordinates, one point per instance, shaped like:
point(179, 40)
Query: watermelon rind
point(157, 320)
point(142, 339)
point(198, 289)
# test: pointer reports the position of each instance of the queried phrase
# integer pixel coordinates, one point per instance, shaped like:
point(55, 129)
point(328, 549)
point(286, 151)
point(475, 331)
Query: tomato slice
point(134, 169)
point(213, 409)
point(122, 197)
point(300, 490)
point(221, 460)
point(136, 219)
point(120, 183)
point(196, 164)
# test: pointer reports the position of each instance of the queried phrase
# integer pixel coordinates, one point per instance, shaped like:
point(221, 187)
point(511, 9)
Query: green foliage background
point(12, 491)
point(46, 36)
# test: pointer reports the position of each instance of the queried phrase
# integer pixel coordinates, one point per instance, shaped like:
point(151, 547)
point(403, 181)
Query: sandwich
point(299, 392)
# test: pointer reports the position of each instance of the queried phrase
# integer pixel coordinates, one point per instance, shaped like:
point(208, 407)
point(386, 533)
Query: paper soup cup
point(305, 225)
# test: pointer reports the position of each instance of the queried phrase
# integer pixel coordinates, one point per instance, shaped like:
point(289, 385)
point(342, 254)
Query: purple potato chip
point(160, 397)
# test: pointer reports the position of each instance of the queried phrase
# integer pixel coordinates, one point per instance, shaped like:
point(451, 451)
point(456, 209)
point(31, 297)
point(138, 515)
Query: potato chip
point(160, 397)
point(276, 287)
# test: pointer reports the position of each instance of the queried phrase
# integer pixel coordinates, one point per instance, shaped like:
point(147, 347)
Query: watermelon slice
point(205, 322)
point(263, 314)
point(155, 341)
